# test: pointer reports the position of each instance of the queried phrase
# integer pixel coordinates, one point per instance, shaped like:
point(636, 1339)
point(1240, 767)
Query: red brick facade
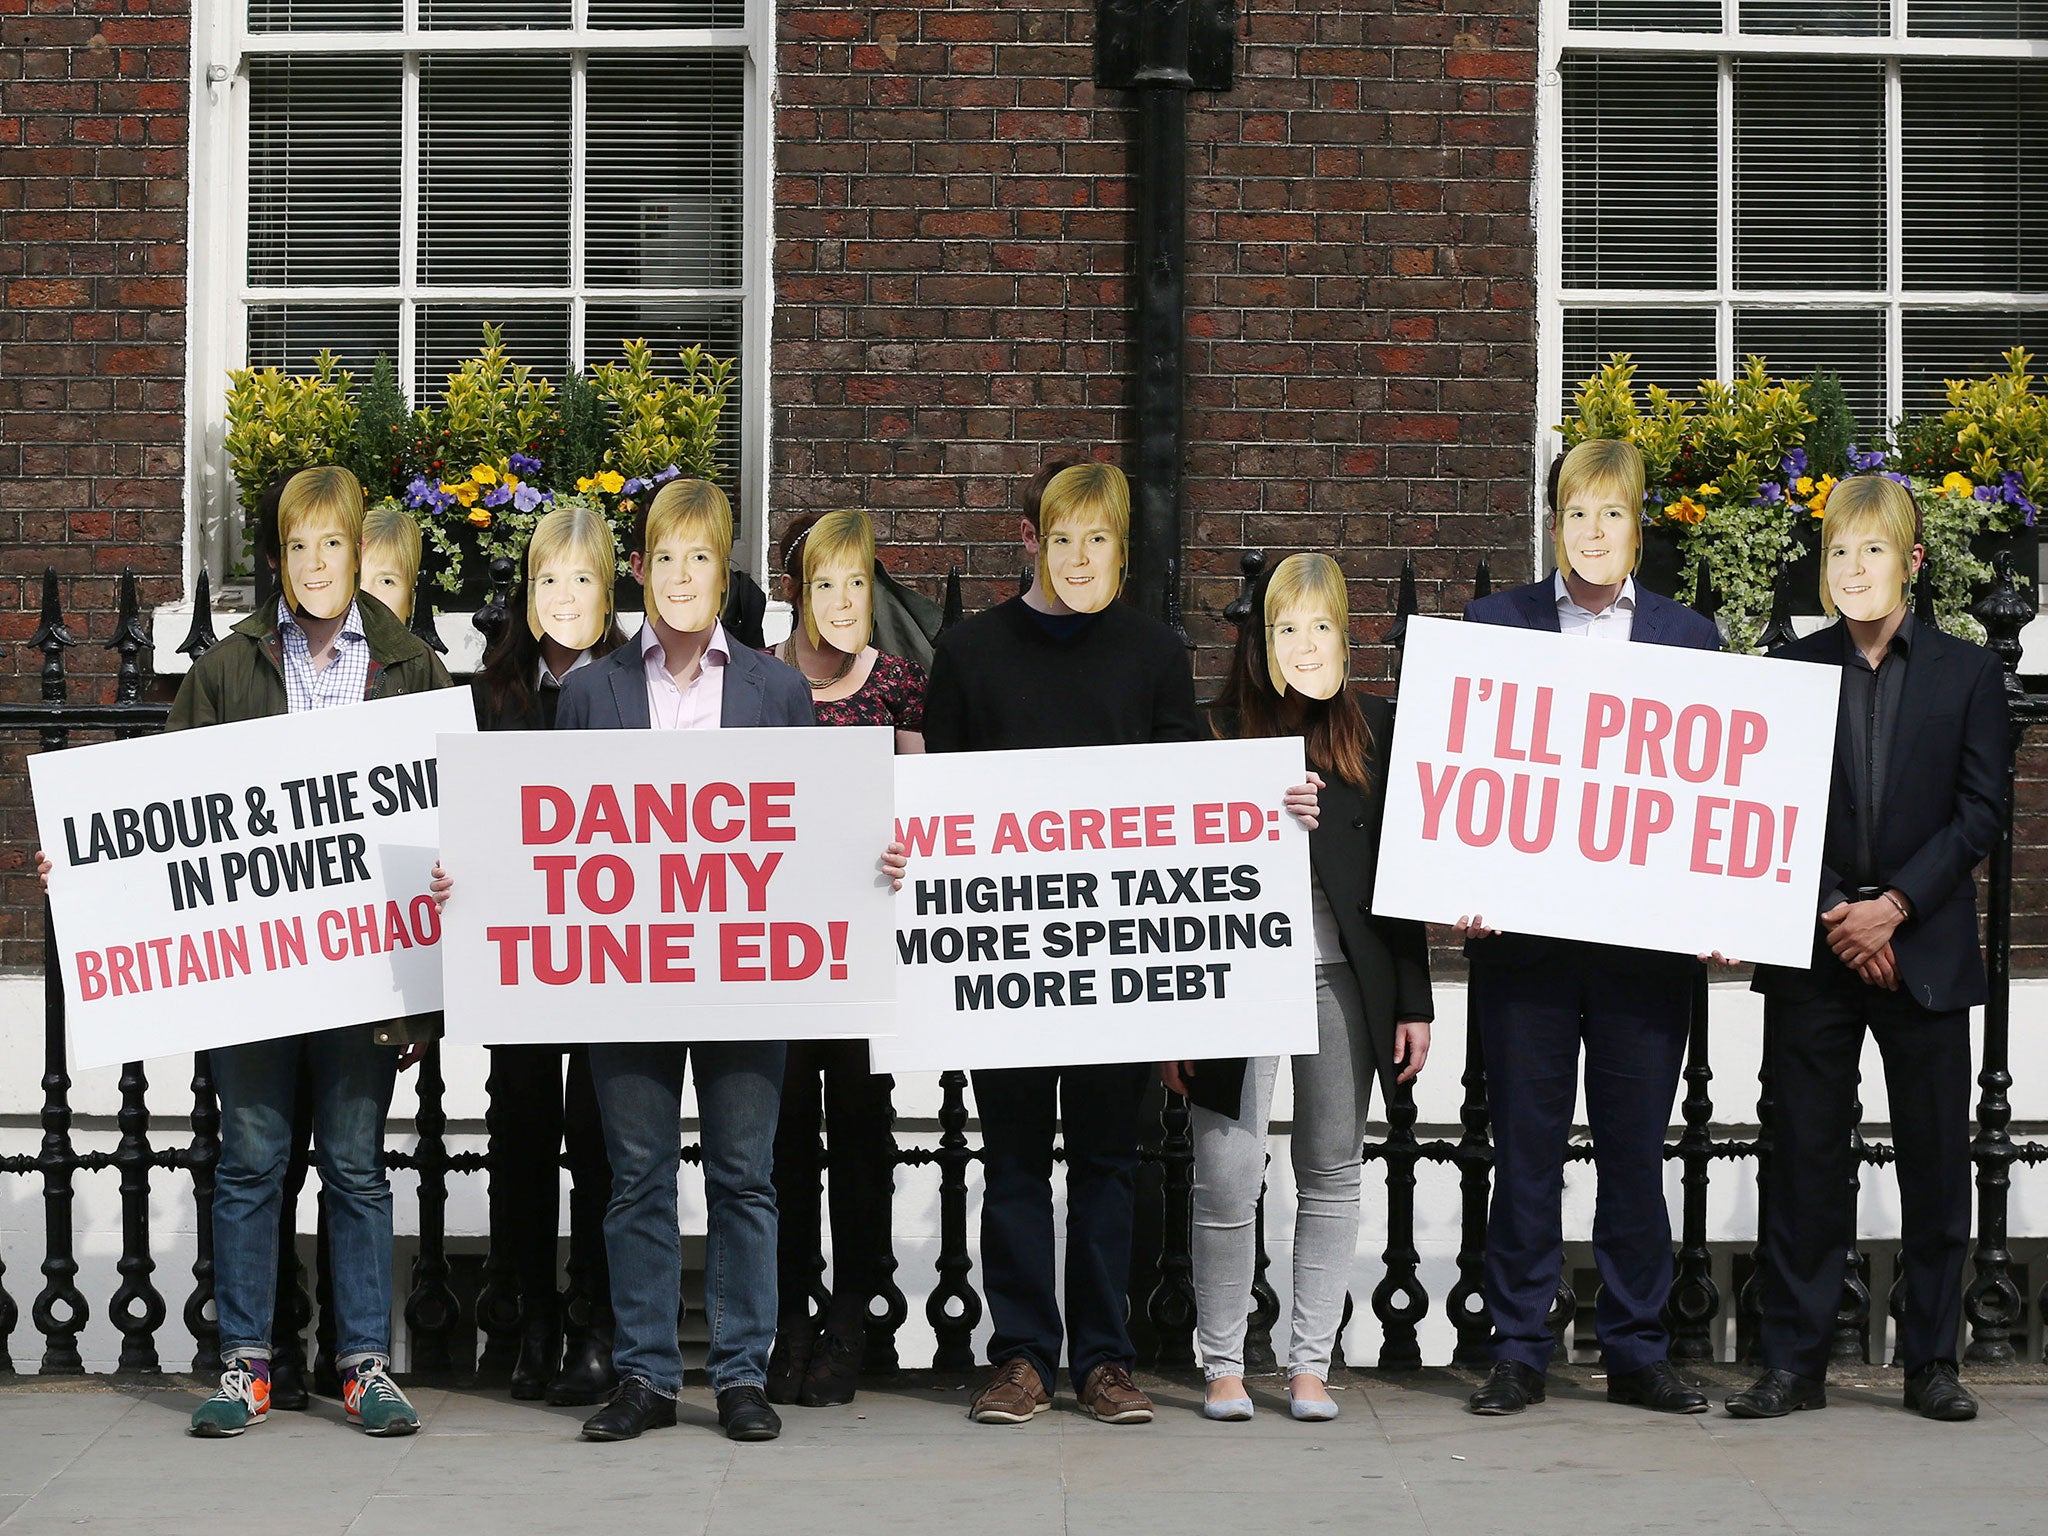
point(952, 217)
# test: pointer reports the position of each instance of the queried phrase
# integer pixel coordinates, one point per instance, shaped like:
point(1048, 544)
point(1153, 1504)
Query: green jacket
point(242, 678)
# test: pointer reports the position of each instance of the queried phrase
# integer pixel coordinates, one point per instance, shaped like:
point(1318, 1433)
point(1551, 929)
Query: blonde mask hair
point(1880, 505)
point(391, 542)
point(840, 541)
point(326, 496)
point(696, 512)
point(1602, 468)
point(1086, 493)
point(1314, 583)
point(579, 534)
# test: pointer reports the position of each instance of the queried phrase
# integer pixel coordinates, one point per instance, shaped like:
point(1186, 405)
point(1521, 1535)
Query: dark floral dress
point(892, 695)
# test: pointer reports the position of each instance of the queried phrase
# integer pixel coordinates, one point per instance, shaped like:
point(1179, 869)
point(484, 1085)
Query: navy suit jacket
point(1657, 621)
point(1944, 804)
point(611, 694)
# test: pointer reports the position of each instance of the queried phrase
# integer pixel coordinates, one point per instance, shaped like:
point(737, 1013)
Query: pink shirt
point(695, 708)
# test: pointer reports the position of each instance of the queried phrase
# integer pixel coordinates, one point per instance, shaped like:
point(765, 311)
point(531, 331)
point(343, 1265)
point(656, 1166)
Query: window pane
point(1977, 18)
point(494, 13)
point(664, 170)
point(325, 16)
point(1639, 173)
point(668, 13)
point(494, 170)
point(1942, 344)
point(1823, 18)
point(1671, 347)
point(1809, 174)
point(1647, 15)
point(290, 336)
point(668, 327)
point(1798, 342)
point(447, 335)
point(1975, 191)
point(323, 170)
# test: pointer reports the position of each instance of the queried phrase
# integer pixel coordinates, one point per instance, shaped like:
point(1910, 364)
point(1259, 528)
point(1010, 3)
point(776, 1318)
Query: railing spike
point(955, 608)
point(422, 621)
point(200, 638)
point(1482, 579)
point(1406, 605)
point(1239, 609)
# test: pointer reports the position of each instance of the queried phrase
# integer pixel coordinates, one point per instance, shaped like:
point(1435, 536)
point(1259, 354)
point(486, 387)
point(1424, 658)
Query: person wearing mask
point(391, 558)
point(829, 574)
point(1064, 665)
point(1918, 799)
point(1288, 677)
point(542, 1102)
point(1539, 1002)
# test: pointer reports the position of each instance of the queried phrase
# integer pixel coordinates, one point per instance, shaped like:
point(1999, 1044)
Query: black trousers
point(533, 1114)
point(1815, 1046)
point(1098, 1109)
point(1533, 1022)
point(826, 1085)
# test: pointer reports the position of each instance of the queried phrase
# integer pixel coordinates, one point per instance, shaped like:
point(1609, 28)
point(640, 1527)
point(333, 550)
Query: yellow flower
point(483, 474)
point(611, 482)
point(1685, 510)
point(584, 482)
point(1956, 484)
point(481, 517)
point(1709, 490)
point(1803, 485)
point(511, 482)
point(463, 491)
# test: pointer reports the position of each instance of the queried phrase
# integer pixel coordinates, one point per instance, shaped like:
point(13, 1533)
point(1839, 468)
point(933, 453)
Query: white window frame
point(1557, 38)
point(219, 292)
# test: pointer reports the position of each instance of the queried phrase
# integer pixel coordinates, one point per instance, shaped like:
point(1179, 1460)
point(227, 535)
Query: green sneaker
point(243, 1399)
point(374, 1401)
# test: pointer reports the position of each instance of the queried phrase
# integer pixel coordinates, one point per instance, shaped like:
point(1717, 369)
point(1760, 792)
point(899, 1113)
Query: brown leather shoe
point(1110, 1395)
point(1014, 1394)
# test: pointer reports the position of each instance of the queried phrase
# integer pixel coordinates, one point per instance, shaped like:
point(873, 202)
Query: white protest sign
point(667, 885)
point(1642, 795)
point(1098, 904)
point(246, 881)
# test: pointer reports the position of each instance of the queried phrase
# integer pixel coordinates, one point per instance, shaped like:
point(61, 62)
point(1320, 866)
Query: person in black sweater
point(1065, 665)
point(563, 622)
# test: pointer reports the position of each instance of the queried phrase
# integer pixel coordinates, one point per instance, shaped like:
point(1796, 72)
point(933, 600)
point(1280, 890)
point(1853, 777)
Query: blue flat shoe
point(1312, 1412)
point(1228, 1410)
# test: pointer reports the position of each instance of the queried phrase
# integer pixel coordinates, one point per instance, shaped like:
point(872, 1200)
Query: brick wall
point(92, 346)
point(952, 221)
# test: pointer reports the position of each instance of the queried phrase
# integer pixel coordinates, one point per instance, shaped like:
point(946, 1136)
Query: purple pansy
point(526, 498)
point(525, 466)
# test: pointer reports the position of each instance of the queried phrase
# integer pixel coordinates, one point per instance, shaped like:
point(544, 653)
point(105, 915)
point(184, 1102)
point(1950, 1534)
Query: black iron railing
point(439, 1320)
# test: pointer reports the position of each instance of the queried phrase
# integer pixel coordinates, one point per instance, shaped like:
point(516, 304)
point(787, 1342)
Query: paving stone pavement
point(112, 1457)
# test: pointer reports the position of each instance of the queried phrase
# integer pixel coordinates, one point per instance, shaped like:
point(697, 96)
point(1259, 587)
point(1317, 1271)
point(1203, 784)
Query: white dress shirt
point(695, 708)
point(1614, 622)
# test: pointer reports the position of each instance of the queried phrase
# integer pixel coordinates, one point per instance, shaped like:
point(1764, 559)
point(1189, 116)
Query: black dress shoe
point(744, 1414)
point(834, 1372)
point(635, 1408)
point(1656, 1386)
point(288, 1385)
point(1777, 1393)
point(1512, 1387)
point(790, 1361)
point(586, 1376)
point(539, 1361)
point(1932, 1392)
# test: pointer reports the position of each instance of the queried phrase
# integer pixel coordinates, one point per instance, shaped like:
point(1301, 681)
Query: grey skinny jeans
point(1332, 1090)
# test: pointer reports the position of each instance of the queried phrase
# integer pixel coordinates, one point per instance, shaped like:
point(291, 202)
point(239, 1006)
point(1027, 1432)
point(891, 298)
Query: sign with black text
point(1098, 904)
point(246, 881)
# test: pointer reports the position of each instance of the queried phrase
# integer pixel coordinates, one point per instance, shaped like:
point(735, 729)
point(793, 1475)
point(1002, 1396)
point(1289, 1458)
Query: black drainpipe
point(1159, 50)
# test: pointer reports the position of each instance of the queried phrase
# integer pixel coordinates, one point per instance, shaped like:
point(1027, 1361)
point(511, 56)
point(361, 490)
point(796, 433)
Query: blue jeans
point(640, 1094)
point(352, 1078)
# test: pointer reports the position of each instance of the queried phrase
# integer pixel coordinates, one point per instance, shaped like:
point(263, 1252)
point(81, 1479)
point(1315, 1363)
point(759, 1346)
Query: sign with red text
point(1098, 904)
point(246, 881)
point(667, 885)
point(1643, 795)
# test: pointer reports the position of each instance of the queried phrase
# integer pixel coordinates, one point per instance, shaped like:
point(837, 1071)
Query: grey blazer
point(611, 695)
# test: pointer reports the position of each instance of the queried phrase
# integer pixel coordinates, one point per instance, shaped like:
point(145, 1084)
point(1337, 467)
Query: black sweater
point(1003, 680)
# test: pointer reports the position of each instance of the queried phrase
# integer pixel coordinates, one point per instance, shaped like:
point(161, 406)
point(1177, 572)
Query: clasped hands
point(1860, 934)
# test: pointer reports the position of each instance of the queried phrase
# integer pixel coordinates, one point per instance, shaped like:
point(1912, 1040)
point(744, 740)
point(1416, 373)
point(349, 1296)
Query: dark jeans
point(854, 1104)
point(1532, 1021)
point(532, 1114)
point(1098, 1110)
point(1809, 1203)
point(640, 1090)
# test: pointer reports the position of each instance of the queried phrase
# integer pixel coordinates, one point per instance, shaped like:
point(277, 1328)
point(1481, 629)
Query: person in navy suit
point(1922, 748)
point(1537, 1001)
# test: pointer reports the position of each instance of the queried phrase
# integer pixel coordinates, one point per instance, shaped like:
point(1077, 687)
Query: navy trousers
point(1533, 1020)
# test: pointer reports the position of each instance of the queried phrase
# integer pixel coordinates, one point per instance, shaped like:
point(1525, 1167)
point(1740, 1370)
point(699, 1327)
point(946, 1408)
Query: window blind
point(664, 170)
point(289, 336)
point(324, 144)
point(1977, 18)
point(1951, 344)
point(1802, 341)
point(1672, 347)
point(1809, 174)
point(1974, 192)
point(494, 169)
point(1639, 168)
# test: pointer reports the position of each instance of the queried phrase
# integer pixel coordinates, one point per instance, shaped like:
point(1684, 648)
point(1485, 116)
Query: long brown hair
point(1333, 730)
